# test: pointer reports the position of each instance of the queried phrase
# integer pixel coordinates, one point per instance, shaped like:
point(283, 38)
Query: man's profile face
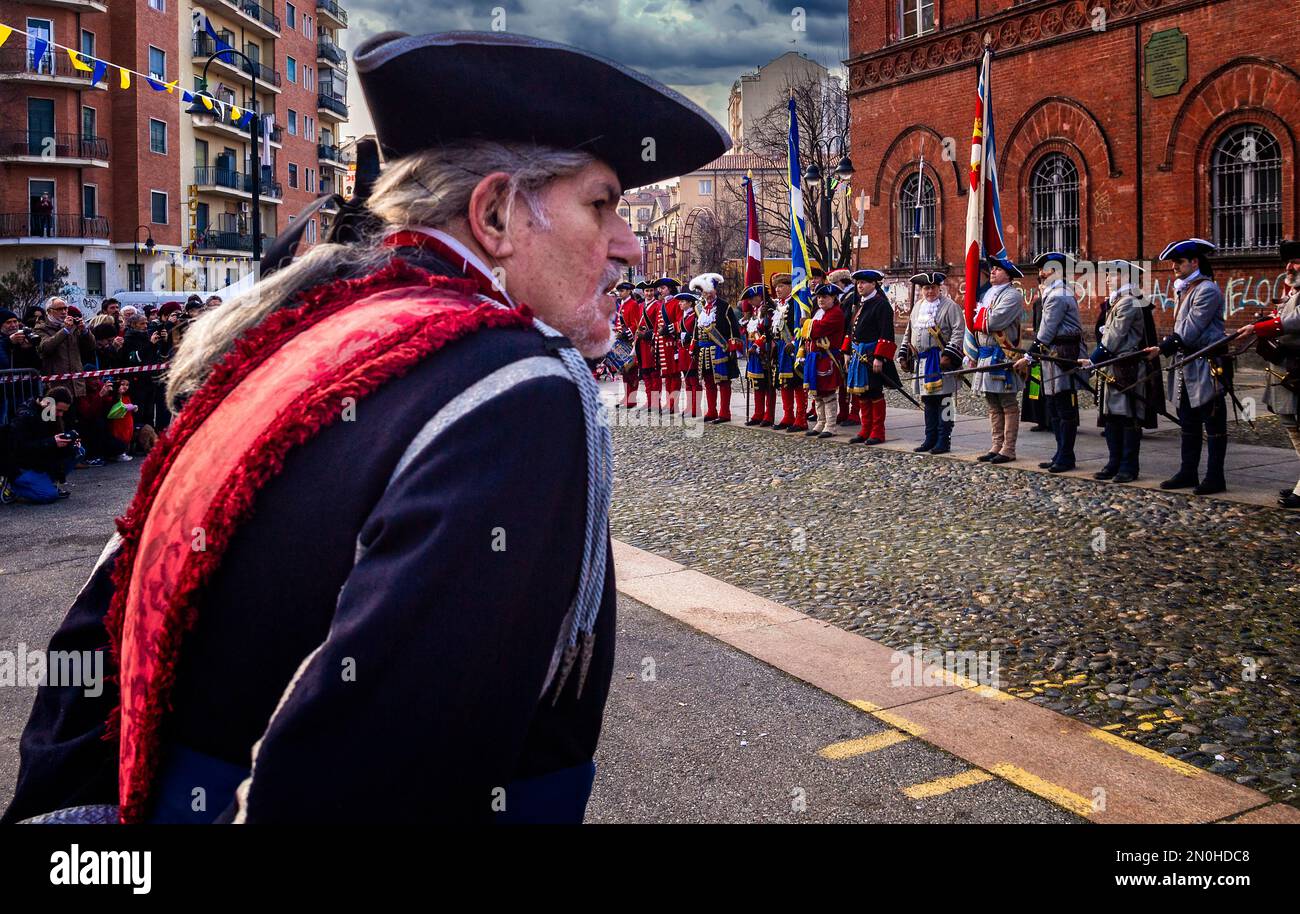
point(562, 272)
point(865, 287)
point(1184, 267)
point(998, 276)
point(10, 327)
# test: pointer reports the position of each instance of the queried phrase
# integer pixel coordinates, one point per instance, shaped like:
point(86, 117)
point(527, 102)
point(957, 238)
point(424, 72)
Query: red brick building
point(1121, 125)
point(125, 166)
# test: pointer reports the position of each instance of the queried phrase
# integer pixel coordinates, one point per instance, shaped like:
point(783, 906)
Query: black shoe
point(925, 448)
point(940, 449)
point(1125, 477)
point(1210, 487)
point(811, 433)
point(1283, 493)
point(1289, 500)
point(1179, 481)
point(795, 428)
point(857, 439)
point(1001, 458)
point(1060, 468)
point(1047, 464)
point(766, 423)
point(752, 422)
point(781, 427)
point(1105, 473)
point(985, 458)
point(826, 435)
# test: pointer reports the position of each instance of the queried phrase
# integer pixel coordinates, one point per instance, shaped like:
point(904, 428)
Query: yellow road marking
point(1150, 755)
point(861, 746)
point(941, 786)
point(901, 723)
point(990, 692)
point(865, 706)
point(1053, 793)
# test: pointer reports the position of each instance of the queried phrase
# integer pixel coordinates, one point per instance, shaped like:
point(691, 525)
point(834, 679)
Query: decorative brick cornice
point(1022, 27)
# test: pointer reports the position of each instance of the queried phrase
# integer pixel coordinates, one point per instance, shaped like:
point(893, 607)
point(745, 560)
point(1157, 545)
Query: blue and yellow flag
point(798, 246)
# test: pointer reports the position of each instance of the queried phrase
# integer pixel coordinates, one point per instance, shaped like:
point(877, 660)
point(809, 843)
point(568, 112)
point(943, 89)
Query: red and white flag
point(753, 250)
point(983, 209)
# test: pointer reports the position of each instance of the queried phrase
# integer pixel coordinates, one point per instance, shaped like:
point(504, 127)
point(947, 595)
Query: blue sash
point(930, 371)
point(995, 352)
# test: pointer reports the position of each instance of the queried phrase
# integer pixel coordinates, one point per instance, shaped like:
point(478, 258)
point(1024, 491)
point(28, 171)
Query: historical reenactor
point(690, 369)
point(1197, 387)
point(997, 336)
point(1279, 344)
point(664, 316)
point(760, 361)
point(716, 340)
point(785, 342)
point(824, 340)
point(627, 316)
point(871, 336)
point(1130, 394)
point(932, 346)
point(847, 408)
point(1060, 336)
point(434, 640)
point(1033, 406)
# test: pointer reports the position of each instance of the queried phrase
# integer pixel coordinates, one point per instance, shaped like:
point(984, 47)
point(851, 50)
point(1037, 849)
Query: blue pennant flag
point(101, 69)
point(39, 47)
point(798, 245)
point(155, 85)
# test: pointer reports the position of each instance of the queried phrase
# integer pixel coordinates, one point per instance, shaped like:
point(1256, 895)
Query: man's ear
point(487, 218)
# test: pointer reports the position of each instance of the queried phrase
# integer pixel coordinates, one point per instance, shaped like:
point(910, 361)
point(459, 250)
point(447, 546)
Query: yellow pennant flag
point(5, 32)
point(125, 77)
point(235, 114)
point(171, 85)
point(77, 62)
point(207, 102)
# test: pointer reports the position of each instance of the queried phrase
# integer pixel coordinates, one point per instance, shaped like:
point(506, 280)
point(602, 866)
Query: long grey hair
point(429, 189)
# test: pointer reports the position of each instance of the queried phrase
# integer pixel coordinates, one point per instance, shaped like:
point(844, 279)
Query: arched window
point(916, 224)
point(1054, 205)
point(1246, 190)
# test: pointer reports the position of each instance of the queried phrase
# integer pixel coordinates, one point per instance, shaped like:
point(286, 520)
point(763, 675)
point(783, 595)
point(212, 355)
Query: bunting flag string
point(40, 47)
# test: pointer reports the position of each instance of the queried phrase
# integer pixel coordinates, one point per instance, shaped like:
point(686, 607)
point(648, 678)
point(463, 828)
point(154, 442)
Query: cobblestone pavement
point(1171, 621)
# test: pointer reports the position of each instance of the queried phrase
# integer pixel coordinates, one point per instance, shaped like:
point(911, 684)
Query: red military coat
point(829, 328)
point(670, 358)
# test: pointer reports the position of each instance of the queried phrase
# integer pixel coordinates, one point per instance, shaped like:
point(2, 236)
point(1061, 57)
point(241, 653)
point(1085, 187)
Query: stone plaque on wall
point(1165, 62)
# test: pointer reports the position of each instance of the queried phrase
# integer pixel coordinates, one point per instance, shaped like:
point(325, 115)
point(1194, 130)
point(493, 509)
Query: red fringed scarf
point(345, 340)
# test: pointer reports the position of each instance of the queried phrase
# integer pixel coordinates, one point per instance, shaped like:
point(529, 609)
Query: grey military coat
point(1198, 319)
point(1061, 319)
point(1123, 333)
point(1006, 307)
point(949, 324)
point(1276, 397)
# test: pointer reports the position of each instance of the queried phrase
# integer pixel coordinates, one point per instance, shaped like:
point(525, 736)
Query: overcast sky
point(698, 47)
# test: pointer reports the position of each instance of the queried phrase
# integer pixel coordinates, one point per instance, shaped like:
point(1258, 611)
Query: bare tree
point(716, 236)
point(822, 114)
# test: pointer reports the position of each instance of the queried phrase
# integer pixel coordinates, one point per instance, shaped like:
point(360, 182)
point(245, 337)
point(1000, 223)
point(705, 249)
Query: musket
point(1199, 353)
point(1161, 410)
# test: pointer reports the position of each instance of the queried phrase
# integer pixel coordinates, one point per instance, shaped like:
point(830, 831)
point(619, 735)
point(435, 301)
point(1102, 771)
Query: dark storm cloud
point(697, 46)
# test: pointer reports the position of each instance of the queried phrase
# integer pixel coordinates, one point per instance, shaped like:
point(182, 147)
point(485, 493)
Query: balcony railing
point(219, 176)
point(204, 46)
point(59, 145)
point(329, 7)
point(214, 240)
point(254, 10)
point(16, 61)
point(328, 50)
point(336, 103)
point(330, 153)
point(55, 225)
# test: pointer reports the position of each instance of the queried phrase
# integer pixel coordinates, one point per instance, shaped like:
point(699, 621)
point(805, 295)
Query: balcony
point(329, 154)
point(38, 147)
point(58, 228)
point(210, 239)
point(204, 47)
point(227, 182)
point(330, 53)
point(250, 11)
point(235, 132)
point(332, 106)
point(79, 6)
point(330, 13)
point(18, 64)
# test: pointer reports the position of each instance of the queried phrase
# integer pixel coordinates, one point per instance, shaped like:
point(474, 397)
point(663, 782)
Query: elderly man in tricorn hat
point(367, 574)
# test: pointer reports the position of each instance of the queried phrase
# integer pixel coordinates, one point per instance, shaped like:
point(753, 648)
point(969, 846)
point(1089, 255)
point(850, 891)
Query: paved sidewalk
point(1255, 473)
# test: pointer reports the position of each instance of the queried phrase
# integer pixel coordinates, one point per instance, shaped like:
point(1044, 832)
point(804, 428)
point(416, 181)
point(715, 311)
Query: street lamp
point(202, 113)
point(813, 175)
point(135, 256)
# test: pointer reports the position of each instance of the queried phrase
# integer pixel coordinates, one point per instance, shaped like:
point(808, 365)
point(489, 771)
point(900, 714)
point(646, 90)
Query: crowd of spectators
point(48, 430)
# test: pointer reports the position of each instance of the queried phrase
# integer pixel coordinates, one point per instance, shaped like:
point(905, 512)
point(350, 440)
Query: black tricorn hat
point(528, 90)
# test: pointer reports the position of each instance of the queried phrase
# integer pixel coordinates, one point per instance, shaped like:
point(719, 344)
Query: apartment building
point(145, 191)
